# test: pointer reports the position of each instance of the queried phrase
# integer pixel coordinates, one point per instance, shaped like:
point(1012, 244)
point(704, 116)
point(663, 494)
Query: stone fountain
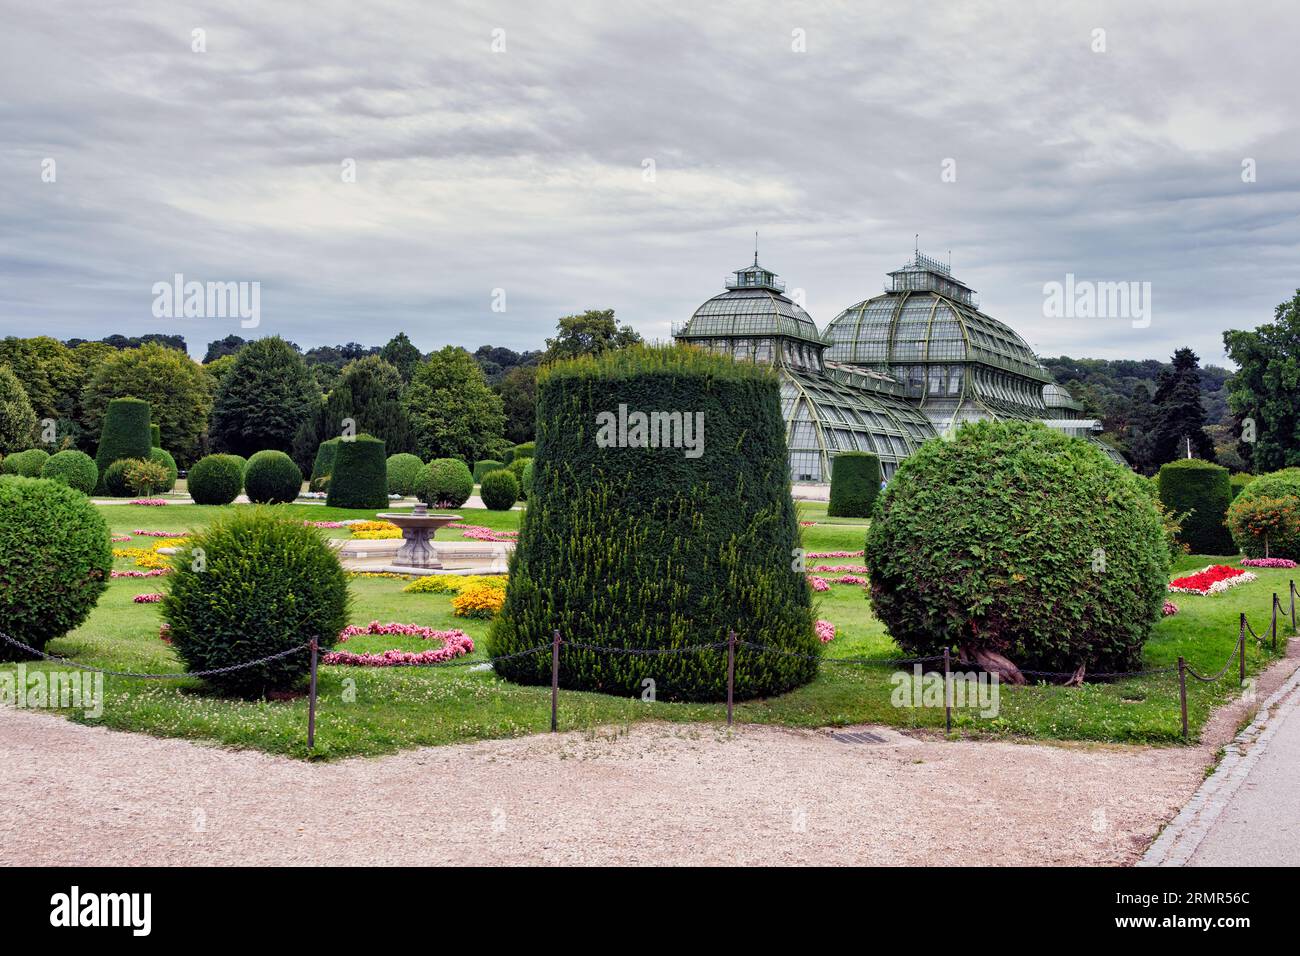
point(418, 526)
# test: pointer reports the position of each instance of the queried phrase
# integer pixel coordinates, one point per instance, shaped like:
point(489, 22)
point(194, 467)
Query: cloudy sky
point(622, 155)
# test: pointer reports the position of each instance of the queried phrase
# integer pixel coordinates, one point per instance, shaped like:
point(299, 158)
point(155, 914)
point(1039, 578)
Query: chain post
point(555, 680)
point(311, 702)
point(731, 673)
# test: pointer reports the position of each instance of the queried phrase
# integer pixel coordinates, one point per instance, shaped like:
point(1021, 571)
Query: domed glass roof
point(754, 304)
point(1055, 396)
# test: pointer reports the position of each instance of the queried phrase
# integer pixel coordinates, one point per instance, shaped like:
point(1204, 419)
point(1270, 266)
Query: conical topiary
point(125, 435)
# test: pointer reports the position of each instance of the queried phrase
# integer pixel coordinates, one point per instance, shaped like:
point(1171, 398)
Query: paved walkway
point(1247, 813)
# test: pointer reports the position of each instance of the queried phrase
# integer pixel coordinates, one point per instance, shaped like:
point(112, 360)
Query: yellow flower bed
point(373, 526)
point(478, 600)
point(169, 543)
point(144, 558)
point(377, 535)
point(454, 583)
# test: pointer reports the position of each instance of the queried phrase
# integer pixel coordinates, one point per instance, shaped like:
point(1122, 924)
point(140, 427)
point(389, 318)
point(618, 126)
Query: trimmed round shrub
point(653, 548)
point(1202, 491)
point(73, 468)
point(360, 478)
point(403, 469)
point(249, 585)
point(271, 478)
point(855, 484)
point(155, 435)
point(125, 434)
point(113, 482)
point(323, 467)
point(481, 468)
point(55, 560)
point(1015, 539)
point(164, 458)
point(526, 480)
point(499, 490)
point(445, 483)
point(215, 480)
point(1265, 517)
point(1239, 481)
point(26, 464)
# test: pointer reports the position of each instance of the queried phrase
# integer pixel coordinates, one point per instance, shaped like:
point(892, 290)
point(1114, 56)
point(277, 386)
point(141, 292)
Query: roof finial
point(755, 247)
point(916, 244)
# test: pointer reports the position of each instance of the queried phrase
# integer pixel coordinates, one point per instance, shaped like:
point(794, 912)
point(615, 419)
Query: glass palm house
point(889, 372)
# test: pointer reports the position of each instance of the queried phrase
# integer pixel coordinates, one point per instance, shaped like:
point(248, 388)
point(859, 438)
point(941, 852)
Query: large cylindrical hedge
point(1264, 518)
point(250, 585)
point(659, 547)
point(125, 434)
point(1202, 491)
point(55, 560)
point(1016, 539)
point(360, 478)
point(855, 484)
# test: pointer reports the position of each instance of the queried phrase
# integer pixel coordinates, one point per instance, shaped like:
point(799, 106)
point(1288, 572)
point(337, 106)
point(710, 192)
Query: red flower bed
point(1204, 581)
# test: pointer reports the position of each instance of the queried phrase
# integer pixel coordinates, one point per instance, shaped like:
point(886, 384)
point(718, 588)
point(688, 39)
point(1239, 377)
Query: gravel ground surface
point(650, 794)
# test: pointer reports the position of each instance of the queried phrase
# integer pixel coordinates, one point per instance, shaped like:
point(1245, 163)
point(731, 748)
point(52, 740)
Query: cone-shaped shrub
point(360, 478)
point(75, 469)
point(1203, 491)
point(1265, 516)
point(641, 547)
point(403, 469)
point(445, 483)
point(55, 560)
point(855, 483)
point(1017, 539)
point(271, 478)
point(216, 480)
point(125, 434)
point(250, 585)
point(481, 468)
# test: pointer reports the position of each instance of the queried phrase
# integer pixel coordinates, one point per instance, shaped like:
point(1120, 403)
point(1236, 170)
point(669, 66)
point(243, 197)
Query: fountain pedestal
point(417, 550)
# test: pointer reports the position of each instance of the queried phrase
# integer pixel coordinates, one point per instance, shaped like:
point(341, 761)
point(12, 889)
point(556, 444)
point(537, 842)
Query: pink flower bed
point(850, 579)
point(163, 534)
point(807, 524)
point(118, 538)
point(455, 643)
point(148, 502)
point(147, 598)
point(1268, 563)
point(819, 584)
point(825, 631)
point(151, 573)
point(325, 524)
point(477, 532)
point(1170, 609)
point(835, 554)
point(842, 568)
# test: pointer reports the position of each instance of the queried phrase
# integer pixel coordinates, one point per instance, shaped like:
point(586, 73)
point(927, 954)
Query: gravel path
point(654, 793)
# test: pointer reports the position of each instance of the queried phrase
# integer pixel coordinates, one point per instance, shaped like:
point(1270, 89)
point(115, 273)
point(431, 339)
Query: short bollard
point(731, 672)
point(947, 695)
point(311, 702)
point(555, 681)
point(1182, 693)
point(1241, 652)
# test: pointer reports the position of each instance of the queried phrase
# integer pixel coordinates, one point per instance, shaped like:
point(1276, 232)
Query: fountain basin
point(418, 526)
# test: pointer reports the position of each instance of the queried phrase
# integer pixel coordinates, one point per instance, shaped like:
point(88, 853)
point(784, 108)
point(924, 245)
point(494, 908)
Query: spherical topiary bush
point(855, 483)
point(26, 464)
point(164, 458)
point(670, 546)
point(75, 469)
point(1202, 491)
point(360, 478)
point(1017, 540)
point(55, 560)
point(125, 434)
point(215, 480)
point(271, 478)
point(323, 467)
point(1264, 518)
point(113, 482)
point(403, 469)
point(499, 490)
point(481, 468)
point(253, 584)
point(445, 483)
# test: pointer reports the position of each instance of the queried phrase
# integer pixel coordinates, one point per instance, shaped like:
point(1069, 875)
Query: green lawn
point(372, 711)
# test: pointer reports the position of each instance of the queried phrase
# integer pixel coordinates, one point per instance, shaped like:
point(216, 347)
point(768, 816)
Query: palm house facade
point(888, 372)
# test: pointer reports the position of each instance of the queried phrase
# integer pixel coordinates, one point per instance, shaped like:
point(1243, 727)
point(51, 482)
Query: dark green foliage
point(18, 425)
point(499, 490)
point(516, 468)
point(403, 469)
point(360, 478)
point(481, 468)
point(525, 449)
point(114, 483)
point(1239, 481)
point(324, 465)
point(155, 435)
point(401, 354)
point(1264, 391)
point(1017, 539)
point(55, 560)
point(73, 468)
point(271, 478)
point(855, 483)
point(526, 480)
point(1265, 516)
point(125, 434)
point(1203, 491)
point(216, 480)
point(27, 463)
point(453, 411)
point(165, 459)
point(445, 483)
point(264, 399)
point(648, 548)
point(249, 585)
